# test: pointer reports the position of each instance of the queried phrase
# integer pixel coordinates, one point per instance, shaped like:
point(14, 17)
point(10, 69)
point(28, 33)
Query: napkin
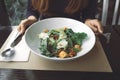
point(22, 51)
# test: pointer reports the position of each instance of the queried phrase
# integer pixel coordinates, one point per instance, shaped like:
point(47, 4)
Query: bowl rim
point(54, 58)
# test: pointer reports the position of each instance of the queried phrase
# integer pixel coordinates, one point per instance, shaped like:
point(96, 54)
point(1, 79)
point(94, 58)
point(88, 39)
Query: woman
point(82, 10)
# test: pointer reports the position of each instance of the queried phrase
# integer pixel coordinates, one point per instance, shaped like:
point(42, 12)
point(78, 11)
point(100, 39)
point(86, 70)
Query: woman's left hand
point(95, 25)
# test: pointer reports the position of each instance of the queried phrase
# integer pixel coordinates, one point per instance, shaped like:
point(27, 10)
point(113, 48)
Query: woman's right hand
point(25, 23)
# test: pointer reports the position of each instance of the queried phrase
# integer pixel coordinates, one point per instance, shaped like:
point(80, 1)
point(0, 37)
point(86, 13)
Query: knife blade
point(16, 40)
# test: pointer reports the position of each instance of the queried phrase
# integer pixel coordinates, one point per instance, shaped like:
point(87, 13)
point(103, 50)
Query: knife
point(16, 40)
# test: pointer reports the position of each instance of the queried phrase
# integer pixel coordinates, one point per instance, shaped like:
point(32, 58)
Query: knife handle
point(17, 39)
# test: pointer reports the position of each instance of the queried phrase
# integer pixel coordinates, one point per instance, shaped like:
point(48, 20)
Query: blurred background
point(16, 10)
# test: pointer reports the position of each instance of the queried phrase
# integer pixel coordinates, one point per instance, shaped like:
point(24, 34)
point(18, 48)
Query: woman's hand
point(25, 23)
point(95, 25)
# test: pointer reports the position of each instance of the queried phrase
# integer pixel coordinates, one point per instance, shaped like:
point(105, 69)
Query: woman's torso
point(56, 9)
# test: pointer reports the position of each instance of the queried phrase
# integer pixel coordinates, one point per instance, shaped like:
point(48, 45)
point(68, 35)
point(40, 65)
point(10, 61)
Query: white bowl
point(32, 40)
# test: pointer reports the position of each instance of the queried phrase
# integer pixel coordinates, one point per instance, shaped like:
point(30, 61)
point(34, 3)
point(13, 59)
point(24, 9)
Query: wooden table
point(94, 61)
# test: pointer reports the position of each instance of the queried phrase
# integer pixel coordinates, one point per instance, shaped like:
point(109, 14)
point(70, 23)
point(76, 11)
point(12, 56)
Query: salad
point(61, 43)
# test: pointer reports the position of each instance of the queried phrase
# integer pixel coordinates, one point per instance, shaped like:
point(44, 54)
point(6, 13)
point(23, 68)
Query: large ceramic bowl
point(32, 40)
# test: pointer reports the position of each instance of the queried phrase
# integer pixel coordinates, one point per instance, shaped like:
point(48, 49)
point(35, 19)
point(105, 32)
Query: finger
point(19, 28)
point(22, 29)
point(94, 29)
point(99, 27)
